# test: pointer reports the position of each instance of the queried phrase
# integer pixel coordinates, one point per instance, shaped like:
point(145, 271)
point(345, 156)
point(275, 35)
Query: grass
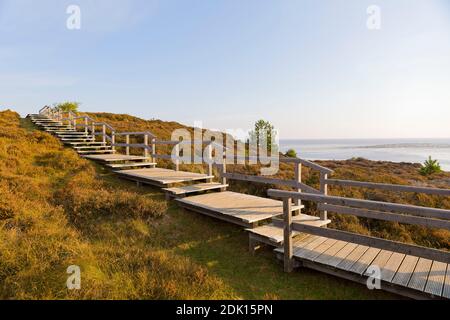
point(58, 210)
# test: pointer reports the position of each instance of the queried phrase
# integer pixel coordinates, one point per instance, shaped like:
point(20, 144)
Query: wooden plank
point(390, 269)
point(365, 261)
point(265, 180)
point(162, 176)
point(364, 204)
point(299, 252)
point(312, 254)
point(130, 165)
point(352, 257)
point(271, 232)
point(436, 278)
point(238, 205)
point(387, 216)
point(419, 277)
point(199, 187)
point(380, 261)
point(429, 253)
point(405, 271)
point(389, 187)
point(331, 257)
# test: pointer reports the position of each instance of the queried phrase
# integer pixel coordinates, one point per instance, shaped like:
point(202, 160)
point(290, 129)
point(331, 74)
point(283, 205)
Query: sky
point(312, 68)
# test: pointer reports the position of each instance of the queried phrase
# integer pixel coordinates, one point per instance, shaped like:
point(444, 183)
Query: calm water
point(396, 150)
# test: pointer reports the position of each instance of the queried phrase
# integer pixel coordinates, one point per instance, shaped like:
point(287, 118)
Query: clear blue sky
point(312, 68)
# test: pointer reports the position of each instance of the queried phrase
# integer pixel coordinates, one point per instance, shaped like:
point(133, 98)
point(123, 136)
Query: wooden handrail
point(389, 187)
point(416, 215)
point(364, 204)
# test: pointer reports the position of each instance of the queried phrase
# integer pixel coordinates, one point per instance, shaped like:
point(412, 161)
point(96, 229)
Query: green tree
point(68, 106)
point(291, 153)
point(430, 166)
point(263, 134)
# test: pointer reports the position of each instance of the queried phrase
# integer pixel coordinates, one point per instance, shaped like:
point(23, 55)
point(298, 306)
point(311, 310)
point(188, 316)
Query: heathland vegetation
point(57, 210)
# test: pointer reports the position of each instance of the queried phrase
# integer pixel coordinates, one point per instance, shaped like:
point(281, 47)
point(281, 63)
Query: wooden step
point(68, 141)
point(273, 235)
point(130, 165)
point(194, 188)
point(46, 123)
point(86, 143)
point(117, 158)
point(87, 152)
point(91, 147)
point(69, 135)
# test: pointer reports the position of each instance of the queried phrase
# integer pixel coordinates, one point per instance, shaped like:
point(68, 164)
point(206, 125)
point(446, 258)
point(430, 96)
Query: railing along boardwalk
point(430, 272)
point(406, 269)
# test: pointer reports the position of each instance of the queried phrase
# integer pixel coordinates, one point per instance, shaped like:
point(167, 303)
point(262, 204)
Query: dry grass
point(49, 200)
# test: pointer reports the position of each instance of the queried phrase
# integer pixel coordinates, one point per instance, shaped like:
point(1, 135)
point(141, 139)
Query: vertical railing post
point(224, 170)
point(210, 161)
point(323, 190)
point(104, 134)
point(298, 178)
point(113, 140)
point(177, 155)
point(86, 125)
point(127, 141)
point(75, 124)
point(287, 215)
point(146, 146)
point(153, 150)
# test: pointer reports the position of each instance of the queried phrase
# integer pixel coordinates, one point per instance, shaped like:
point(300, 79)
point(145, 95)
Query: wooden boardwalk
point(400, 273)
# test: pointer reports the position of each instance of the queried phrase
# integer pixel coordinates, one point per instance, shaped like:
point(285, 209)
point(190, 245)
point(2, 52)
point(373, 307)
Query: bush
point(291, 153)
point(429, 167)
point(68, 106)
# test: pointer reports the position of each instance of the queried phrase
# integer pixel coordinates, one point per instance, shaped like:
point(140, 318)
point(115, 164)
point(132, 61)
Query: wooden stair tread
point(96, 151)
point(92, 147)
point(130, 165)
point(195, 188)
point(275, 233)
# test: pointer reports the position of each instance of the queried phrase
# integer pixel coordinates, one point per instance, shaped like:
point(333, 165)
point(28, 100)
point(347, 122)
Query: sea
point(395, 150)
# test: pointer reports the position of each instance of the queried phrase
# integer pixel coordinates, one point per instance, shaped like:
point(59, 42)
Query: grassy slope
point(58, 210)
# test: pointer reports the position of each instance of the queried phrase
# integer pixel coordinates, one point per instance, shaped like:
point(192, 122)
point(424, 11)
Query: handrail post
point(127, 141)
point(153, 149)
point(104, 133)
point(86, 125)
point(210, 161)
point(113, 140)
point(287, 215)
point(298, 178)
point(177, 155)
point(146, 145)
point(224, 170)
point(93, 129)
point(75, 124)
point(324, 190)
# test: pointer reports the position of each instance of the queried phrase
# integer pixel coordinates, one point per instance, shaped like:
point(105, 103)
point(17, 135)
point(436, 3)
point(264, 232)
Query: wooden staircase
point(81, 141)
